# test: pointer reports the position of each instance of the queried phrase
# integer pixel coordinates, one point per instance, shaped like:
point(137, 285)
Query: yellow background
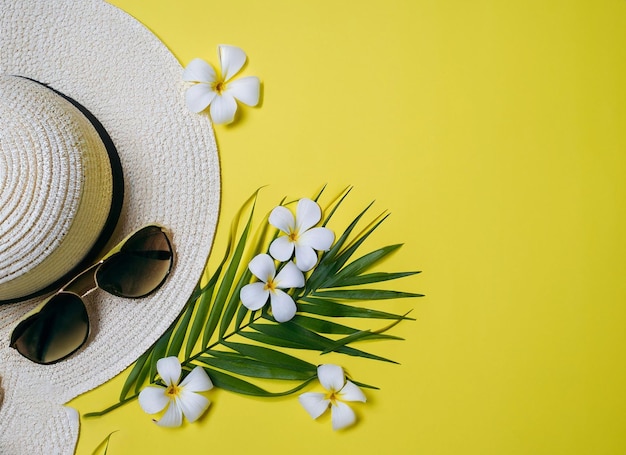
point(494, 132)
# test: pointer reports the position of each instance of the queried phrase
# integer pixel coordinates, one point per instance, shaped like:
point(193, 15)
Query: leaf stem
point(191, 359)
point(111, 408)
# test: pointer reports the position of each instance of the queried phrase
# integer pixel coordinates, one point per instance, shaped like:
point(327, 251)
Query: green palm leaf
point(236, 346)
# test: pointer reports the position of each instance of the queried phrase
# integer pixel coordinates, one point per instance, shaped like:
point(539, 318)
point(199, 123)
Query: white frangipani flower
point(255, 295)
point(179, 399)
point(218, 90)
point(339, 389)
point(300, 236)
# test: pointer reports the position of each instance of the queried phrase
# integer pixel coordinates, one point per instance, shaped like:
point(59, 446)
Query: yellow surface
point(494, 132)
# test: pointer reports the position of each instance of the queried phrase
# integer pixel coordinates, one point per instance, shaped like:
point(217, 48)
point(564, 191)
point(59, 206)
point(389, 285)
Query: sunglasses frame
point(81, 289)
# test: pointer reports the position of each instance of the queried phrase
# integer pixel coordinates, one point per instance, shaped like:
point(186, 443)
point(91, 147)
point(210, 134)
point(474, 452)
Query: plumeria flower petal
point(173, 417)
point(262, 266)
point(153, 399)
point(308, 214)
point(352, 392)
point(219, 91)
point(315, 403)
point(331, 377)
point(169, 369)
point(339, 390)
point(223, 108)
point(192, 404)
point(282, 218)
point(196, 381)
point(282, 248)
point(199, 71)
point(318, 238)
point(306, 257)
point(342, 415)
point(300, 235)
point(199, 97)
point(255, 295)
point(232, 59)
point(245, 89)
point(178, 400)
point(289, 277)
point(283, 306)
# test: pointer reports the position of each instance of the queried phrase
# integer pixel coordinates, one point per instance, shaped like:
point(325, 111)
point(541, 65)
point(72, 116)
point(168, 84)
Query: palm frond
point(237, 346)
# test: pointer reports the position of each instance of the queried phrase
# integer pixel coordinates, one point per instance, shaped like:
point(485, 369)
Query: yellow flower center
point(270, 285)
point(293, 236)
point(219, 87)
point(172, 391)
point(332, 396)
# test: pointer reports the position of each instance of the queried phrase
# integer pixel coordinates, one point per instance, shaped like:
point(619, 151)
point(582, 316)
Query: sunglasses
point(59, 326)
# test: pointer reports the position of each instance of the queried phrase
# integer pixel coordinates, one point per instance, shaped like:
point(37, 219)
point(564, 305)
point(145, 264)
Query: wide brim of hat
point(115, 67)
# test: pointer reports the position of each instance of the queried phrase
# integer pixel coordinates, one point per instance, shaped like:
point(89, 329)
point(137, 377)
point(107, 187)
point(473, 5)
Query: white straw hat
point(65, 68)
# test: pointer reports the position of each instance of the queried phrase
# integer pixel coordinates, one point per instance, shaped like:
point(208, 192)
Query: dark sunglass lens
point(141, 265)
point(55, 332)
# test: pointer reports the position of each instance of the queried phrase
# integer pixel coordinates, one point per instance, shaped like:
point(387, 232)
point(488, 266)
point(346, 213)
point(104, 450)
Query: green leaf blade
point(134, 374)
point(362, 264)
point(158, 351)
point(180, 332)
point(331, 308)
point(234, 384)
point(309, 340)
point(242, 365)
point(364, 294)
point(228, 382)
point(227, 281)
point(233, 303)
point(273, 341)
point(369, 278)
point(202, 312)
point(272, 356)
point(322, 325)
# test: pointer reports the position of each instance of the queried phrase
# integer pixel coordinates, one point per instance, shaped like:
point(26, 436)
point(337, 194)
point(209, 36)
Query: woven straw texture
point(128, 79)
point(57, 186)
